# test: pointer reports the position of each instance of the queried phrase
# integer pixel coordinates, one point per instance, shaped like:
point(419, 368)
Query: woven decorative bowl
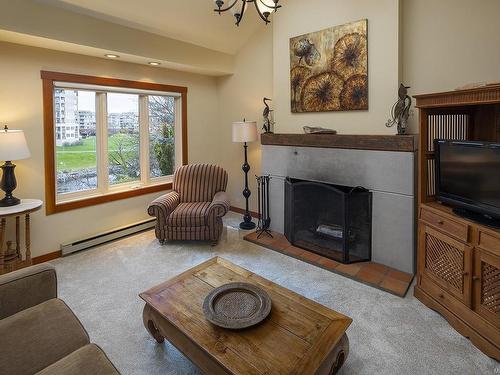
point(236, 305)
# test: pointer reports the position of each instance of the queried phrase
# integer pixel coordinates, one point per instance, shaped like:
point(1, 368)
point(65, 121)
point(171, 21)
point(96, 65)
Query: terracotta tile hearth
point(370, 273)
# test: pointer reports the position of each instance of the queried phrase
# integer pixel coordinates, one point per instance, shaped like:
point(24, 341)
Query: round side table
point(11, 257)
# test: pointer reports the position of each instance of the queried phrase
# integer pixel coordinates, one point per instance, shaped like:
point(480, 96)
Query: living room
point(358, 245)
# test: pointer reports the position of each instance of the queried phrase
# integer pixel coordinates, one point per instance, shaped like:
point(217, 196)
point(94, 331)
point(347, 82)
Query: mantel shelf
point(403, 143)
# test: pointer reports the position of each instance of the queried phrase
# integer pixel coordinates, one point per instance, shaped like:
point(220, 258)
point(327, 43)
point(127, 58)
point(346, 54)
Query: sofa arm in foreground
point(26, 288)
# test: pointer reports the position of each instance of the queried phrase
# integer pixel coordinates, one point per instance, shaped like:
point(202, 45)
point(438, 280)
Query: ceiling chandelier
point(238, 8)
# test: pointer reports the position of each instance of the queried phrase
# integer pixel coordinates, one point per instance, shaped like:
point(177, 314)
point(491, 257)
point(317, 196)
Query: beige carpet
point(389, 335)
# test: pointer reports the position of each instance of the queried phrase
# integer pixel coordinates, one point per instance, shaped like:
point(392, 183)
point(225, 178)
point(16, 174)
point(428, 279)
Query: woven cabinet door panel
point(487, 285)
point(448, 263)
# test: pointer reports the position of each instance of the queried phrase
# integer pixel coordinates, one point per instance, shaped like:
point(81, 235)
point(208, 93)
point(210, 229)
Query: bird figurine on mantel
point(268, 123)
point(400, 110)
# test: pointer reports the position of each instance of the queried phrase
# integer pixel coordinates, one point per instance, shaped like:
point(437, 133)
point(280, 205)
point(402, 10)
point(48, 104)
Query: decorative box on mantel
point(383, 164)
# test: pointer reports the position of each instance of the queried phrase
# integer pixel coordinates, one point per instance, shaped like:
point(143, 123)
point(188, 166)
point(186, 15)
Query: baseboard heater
point(108, 236)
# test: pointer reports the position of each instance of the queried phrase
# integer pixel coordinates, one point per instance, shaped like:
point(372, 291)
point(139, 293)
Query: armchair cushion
point(26, 287)
point(192, 214)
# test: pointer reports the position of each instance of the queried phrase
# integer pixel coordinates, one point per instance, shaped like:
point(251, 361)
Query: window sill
point(95, 200)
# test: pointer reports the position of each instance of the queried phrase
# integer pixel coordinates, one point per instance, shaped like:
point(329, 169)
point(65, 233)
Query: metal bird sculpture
point(400, 111)
point(266, 114)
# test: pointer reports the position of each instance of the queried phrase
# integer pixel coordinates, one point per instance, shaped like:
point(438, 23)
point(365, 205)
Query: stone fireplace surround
point(385, 165)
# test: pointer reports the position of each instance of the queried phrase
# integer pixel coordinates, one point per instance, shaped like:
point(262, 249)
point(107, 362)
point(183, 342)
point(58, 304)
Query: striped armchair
point(193, 210)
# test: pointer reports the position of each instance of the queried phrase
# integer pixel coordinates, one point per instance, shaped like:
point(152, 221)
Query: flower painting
point(329, 69)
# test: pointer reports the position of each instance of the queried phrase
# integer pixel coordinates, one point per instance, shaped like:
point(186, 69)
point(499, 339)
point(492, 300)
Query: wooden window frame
point(48, 80)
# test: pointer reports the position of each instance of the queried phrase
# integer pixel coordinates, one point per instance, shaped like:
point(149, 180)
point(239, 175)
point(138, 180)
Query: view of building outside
point(67, 121)
point(76, 161)
point(86, 121)
point(76, 147)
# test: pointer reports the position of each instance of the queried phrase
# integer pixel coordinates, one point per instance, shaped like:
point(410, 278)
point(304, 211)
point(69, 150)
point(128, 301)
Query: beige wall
point(449, 43)
point(240, 96)
point(21, 108)
point(298, 17)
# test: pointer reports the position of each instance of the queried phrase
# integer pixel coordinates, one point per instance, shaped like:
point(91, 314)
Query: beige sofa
point(39, 334)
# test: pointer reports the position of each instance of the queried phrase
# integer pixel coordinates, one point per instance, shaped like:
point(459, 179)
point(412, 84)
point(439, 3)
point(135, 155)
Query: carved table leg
point(2, 237)
point(336, 358)
point(28, 239)
point(341, 353)
point(18, 242)
point(150, 326)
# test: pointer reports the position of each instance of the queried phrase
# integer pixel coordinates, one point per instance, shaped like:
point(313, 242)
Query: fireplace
point(331, 220)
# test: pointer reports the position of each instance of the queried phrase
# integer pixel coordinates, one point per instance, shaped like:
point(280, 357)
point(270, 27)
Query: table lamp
point(244, 132)
point(12, 147)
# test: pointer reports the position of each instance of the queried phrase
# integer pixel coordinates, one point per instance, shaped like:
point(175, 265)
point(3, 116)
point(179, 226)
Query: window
point(76, 161)
point(161, 135)
point(124, 138)
point(108, 139)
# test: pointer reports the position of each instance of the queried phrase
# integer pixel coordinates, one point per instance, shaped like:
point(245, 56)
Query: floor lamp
point(245, 132)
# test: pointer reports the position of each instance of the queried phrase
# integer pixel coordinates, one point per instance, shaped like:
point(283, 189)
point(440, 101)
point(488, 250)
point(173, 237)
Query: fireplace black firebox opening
point(331, 220)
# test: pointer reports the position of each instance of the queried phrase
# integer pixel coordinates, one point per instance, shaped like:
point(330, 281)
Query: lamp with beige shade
point(13, 146)
point(244, 132)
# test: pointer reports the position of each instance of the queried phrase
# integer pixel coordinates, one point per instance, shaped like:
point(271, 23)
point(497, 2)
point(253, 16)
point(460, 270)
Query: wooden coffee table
point(299, 337)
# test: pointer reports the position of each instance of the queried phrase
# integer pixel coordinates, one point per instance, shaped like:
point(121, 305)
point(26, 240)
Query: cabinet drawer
point(455, 228)
point(489, 242)
point(436, 292)
point(484, 327)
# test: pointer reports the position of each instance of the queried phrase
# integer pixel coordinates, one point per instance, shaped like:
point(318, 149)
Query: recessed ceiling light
point(111, 56)
point(155, 63)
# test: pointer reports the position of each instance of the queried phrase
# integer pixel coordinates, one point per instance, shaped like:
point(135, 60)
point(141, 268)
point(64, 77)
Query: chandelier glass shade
point(238, 8)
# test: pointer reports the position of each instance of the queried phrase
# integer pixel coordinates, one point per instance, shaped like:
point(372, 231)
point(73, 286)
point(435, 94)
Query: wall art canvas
point(329, 69)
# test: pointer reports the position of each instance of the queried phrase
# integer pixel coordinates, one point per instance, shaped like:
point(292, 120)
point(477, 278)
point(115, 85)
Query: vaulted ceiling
point(191, 21)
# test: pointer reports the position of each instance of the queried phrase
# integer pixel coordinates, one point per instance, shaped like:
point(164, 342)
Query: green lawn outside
point(71, 158)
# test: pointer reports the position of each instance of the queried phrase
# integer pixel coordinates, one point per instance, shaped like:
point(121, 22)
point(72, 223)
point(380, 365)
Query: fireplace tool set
point(263, 202)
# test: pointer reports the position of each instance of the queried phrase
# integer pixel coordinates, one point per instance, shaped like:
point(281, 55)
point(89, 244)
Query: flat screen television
point(468, 179)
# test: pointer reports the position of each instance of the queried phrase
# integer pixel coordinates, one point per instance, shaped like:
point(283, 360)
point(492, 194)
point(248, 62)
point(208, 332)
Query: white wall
point(240, 96)
point(298, 17)
point(21, 108)
point(449, 43)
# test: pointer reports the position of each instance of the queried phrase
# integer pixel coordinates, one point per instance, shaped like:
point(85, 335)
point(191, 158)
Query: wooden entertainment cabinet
point(458, 260)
